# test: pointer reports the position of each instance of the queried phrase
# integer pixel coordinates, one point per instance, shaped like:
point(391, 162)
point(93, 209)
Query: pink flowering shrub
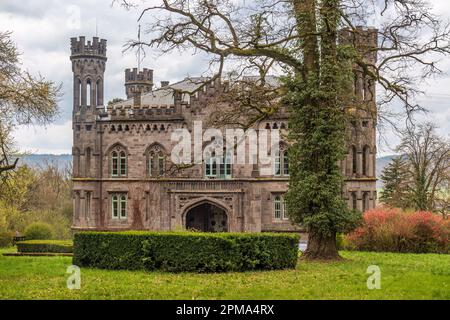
point(392, 230)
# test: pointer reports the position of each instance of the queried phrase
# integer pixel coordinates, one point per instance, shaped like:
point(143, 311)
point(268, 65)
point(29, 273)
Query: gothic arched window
point(87, 165)
point(365, 201)
point(156, 161)
point(281, 161)
point(98, 97)
point(354, 160)
point(365, 161)
point(88, 92)
point(76, 162)
point(80, 88)
point(118, 162)
point(354, 201)
point(285, 163)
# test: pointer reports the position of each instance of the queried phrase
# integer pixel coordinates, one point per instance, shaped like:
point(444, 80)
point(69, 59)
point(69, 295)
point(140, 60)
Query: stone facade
point(121, 157)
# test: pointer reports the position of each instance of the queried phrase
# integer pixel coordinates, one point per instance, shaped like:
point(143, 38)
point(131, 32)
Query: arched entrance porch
point(207, 217)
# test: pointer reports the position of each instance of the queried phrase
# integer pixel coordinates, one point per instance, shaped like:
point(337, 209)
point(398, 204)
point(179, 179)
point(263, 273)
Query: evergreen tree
point(395, 179)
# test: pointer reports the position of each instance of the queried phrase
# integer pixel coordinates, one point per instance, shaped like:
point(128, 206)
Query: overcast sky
point(42, 30)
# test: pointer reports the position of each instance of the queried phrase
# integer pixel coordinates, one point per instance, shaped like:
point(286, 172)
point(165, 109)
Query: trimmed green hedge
point(185, 251)
point(46, 246)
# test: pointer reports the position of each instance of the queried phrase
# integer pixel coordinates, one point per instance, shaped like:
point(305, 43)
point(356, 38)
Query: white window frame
point(119, 206)
point(122, 164)
point(285, 166)
point(150, 165)
point(280, 169)
point(279, 208)
point(161, 164)
point(115, 158)
point(219, 169)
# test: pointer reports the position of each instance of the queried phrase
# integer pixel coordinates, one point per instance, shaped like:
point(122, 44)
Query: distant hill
point(40, 160)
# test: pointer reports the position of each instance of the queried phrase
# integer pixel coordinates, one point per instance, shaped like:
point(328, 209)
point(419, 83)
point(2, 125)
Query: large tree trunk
point(321, 247)
point(305, 11)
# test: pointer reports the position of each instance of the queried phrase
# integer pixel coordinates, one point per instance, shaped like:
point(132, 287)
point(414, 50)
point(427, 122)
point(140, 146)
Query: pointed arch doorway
point(207, 217)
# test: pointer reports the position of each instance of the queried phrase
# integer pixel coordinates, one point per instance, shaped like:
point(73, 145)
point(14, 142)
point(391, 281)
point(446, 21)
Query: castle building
point(121, 156)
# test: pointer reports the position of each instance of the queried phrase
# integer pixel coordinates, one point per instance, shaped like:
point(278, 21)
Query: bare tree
point(300, 39)
point(24, 99)
point(428, 159)
point(443, 199)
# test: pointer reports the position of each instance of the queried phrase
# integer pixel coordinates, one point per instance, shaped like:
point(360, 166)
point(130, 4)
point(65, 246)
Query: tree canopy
point(24, 99)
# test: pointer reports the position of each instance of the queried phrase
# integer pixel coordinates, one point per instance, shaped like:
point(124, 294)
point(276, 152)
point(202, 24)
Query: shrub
point(185, 251)
point(39, 231)
point(47, 246)
point(386, 229)
point(431, 232)
point(340, 241)
point(6, 239)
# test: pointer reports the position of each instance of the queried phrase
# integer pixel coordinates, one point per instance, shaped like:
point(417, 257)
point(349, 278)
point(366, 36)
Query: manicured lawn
point(403, 276)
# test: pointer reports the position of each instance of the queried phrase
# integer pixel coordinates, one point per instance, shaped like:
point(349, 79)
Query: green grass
point(403, 276)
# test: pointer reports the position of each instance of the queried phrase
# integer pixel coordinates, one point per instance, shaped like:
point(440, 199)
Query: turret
point(138, 82)
point(88, 66)
point(365, 41)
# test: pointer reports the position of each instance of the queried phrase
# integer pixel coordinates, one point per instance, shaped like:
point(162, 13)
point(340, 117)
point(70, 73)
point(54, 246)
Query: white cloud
point(56, 138)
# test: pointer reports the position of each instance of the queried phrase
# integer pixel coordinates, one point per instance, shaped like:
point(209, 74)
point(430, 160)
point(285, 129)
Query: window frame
point(119, 163)
point(281, 162)
point(114, 164)
point(115, 206)
point(156, 161)
point(119, 206)
point(285, 163)
point(87, 204)
point(219, 168)
point(161, 164)
point(279, 209)
point(123, 164)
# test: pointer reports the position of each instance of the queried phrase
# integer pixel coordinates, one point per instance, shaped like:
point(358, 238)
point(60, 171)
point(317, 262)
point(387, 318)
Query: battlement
point(78, 46)
point(361, 37)
point(138, 82)
point(132, 75)
point(141, 112)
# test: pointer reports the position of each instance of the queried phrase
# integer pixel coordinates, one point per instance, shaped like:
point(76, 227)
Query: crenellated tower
point(138, 82)
point(88, 67)
point(359, 167)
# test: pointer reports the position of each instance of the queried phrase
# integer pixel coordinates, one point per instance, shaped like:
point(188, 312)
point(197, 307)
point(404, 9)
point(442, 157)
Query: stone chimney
point(137, 97)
